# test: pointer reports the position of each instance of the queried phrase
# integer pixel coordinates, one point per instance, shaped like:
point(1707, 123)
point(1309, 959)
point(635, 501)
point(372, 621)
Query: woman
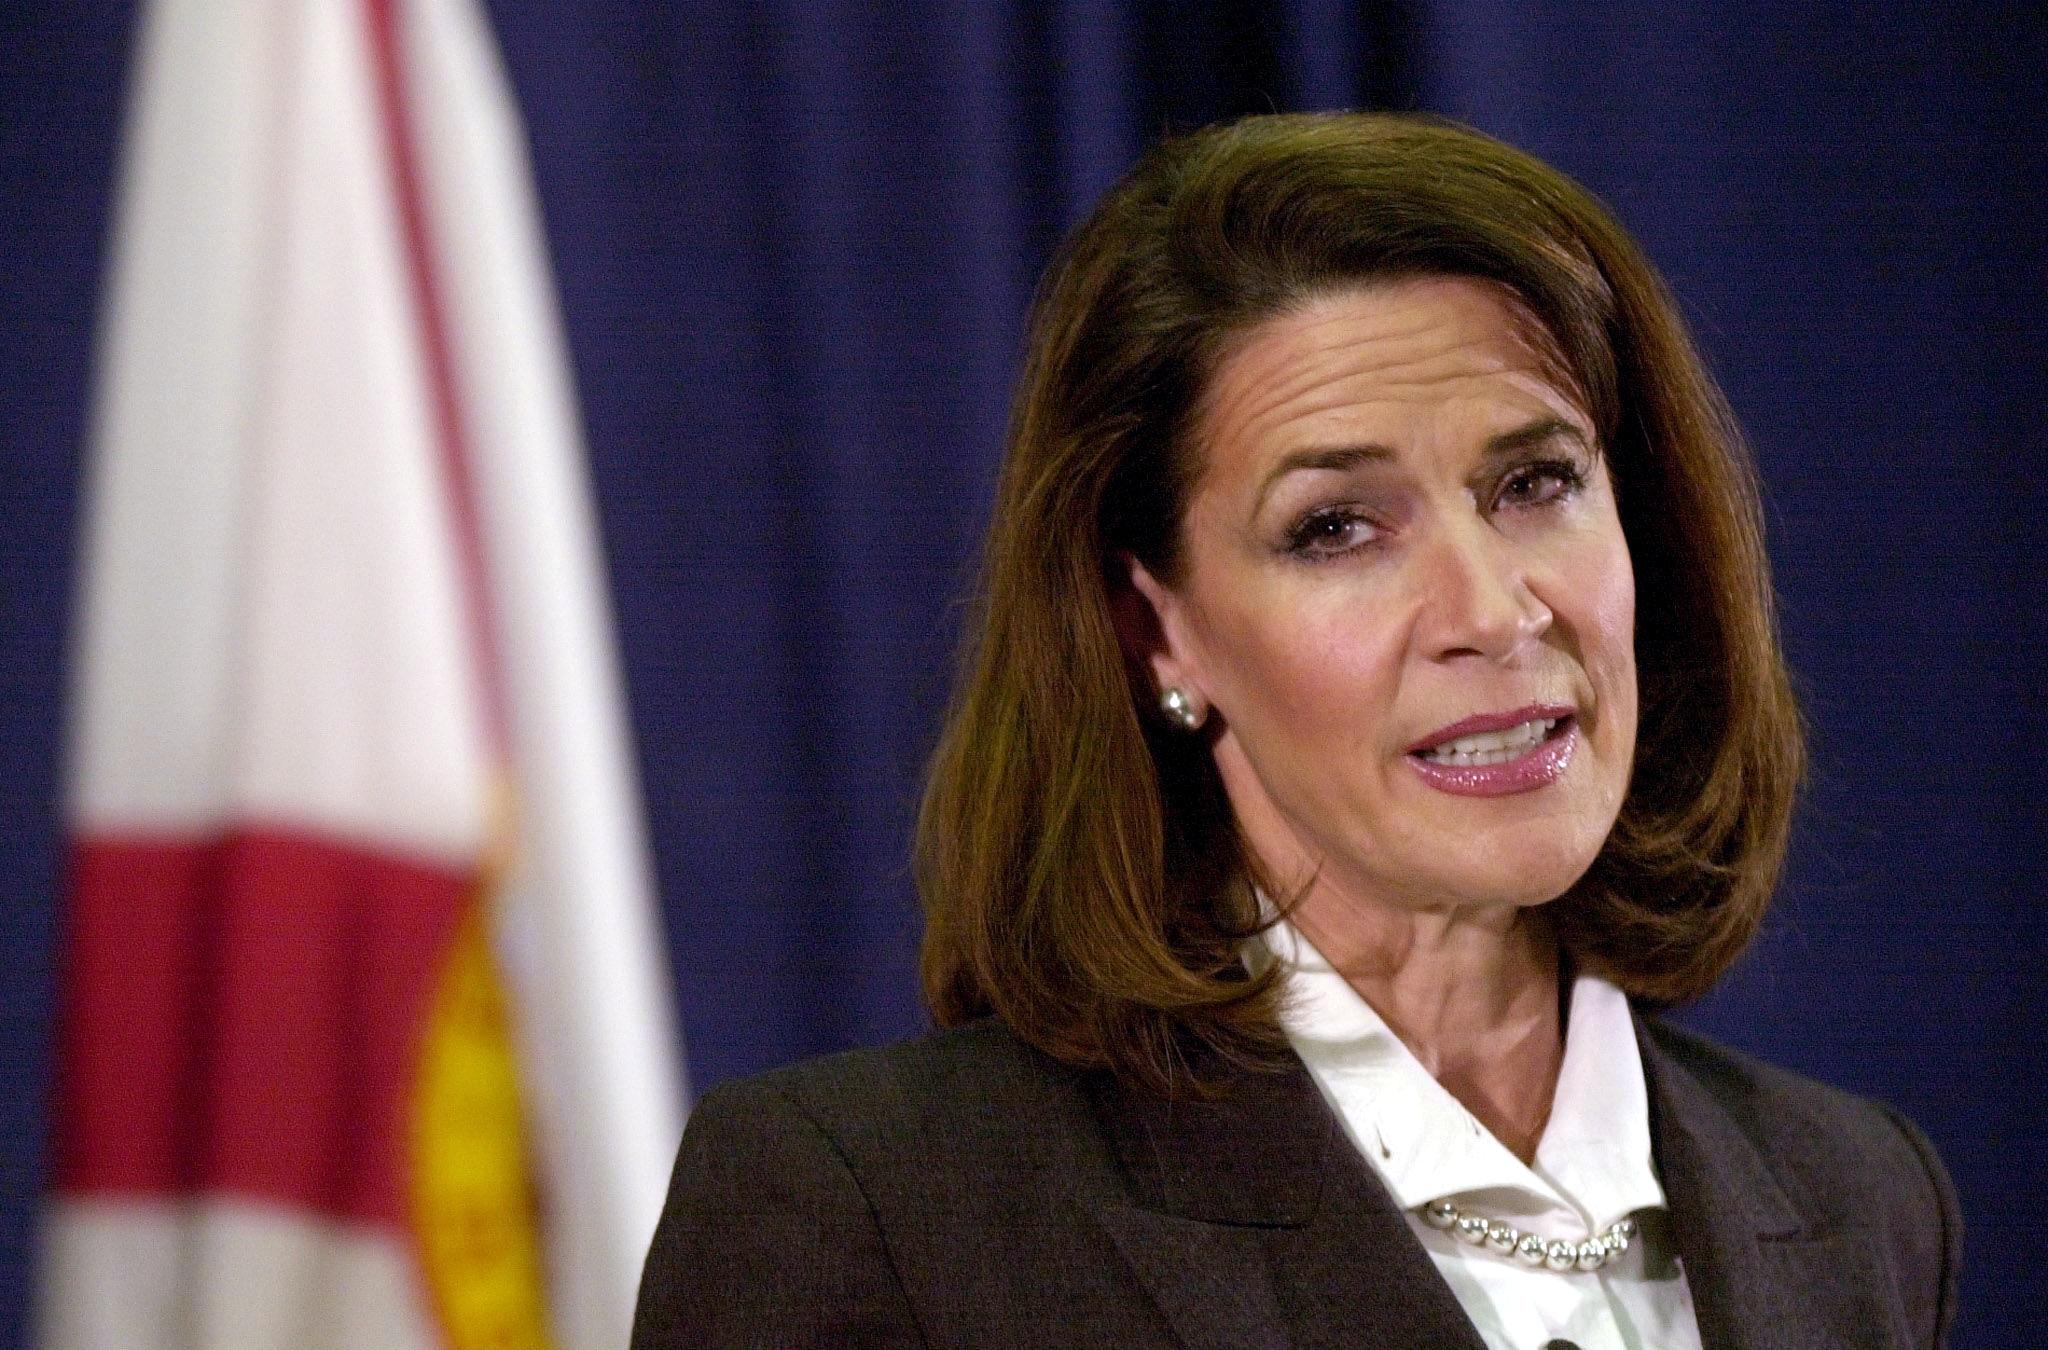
point(1373, 712)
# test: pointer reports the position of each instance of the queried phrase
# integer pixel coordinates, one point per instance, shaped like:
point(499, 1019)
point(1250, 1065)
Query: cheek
point(1300, 666)
point(1604, 589)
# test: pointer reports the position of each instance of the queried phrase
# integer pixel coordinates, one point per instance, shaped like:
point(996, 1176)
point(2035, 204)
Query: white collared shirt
point(1592, 1166)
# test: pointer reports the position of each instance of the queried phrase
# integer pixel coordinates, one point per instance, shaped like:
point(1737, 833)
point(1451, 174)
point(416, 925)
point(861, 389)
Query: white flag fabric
point(365, 1036)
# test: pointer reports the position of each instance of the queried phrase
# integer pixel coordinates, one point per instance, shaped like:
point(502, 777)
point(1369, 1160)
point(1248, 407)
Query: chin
point(1502, 891)
point(1524, 877)
point(1525, 859)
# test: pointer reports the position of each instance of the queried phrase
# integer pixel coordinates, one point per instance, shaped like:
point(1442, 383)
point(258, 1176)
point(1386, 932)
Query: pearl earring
point(1179, 708)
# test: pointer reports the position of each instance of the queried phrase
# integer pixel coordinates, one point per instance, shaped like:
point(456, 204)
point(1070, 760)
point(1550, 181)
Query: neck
point(1472, 993)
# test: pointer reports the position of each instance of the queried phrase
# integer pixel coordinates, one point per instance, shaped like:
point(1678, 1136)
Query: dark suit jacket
point(966, 1190)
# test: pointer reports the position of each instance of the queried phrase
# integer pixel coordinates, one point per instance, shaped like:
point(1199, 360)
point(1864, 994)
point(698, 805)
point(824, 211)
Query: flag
point(364, 1038)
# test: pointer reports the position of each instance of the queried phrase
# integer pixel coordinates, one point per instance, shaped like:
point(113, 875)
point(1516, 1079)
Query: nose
point(1477, 600)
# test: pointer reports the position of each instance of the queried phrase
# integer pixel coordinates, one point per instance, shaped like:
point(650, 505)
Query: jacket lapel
point(1762, 1277)
point(1250, 1220)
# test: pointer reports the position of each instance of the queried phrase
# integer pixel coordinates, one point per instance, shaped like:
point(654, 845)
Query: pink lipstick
point(1497, 754)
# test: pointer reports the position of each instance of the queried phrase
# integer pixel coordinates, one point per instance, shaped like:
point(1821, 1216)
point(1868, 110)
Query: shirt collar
point(1592, 1166)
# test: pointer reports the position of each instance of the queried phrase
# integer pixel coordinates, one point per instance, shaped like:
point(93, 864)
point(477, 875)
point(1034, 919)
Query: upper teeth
point(1491, 747)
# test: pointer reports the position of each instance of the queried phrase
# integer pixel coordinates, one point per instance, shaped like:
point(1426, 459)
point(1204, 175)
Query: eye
point(1539, 484)
point(1330, 531)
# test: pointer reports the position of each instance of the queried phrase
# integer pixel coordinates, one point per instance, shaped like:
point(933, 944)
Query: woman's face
point(1406, 601)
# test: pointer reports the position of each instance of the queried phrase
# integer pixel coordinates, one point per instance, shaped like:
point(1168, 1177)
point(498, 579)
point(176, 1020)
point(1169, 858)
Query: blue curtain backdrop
point(795, 242)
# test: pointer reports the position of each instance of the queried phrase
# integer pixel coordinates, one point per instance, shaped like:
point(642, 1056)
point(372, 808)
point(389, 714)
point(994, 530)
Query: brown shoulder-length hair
point(1082, 875)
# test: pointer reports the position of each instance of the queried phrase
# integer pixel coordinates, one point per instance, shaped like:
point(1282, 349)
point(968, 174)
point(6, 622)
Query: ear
point(1151, 624)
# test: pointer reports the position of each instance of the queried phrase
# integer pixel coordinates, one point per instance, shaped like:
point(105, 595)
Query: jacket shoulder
point(932, 1191)
point(1850, 1164)
point(972, 1102)
point(1808, 1127)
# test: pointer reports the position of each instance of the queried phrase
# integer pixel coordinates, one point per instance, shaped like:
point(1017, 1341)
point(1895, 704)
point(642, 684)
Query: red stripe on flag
point(243, 1016)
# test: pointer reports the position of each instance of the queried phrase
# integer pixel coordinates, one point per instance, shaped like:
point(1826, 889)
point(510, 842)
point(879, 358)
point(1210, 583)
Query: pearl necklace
point(1531, 1250)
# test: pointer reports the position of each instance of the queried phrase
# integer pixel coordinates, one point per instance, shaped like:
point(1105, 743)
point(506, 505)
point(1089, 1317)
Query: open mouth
point(1499, 754)
point(1482, 749)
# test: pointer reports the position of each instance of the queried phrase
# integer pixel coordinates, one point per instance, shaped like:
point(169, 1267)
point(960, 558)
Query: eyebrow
point(1536, 433)
point(1343, 457)
point(1336, 457)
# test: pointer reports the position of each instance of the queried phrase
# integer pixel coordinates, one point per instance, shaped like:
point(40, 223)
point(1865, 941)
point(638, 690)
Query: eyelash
point(1303, 539)
point(1570, 478)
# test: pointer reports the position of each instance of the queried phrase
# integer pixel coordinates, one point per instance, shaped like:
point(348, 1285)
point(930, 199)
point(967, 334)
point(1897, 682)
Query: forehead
point(1421, 345)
